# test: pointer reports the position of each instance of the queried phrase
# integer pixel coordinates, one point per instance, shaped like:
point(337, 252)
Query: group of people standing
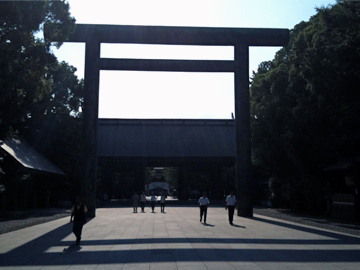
point(230, 206)
point(153, 199)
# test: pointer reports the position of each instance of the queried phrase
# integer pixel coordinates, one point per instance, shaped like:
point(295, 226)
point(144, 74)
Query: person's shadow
point(72, 248)
point(238, 226)
point(209, 225)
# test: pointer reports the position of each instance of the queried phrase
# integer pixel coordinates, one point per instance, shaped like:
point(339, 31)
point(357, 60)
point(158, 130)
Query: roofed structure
point(28, 157)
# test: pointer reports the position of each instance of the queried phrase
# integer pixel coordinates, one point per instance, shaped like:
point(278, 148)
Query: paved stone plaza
point(120, 239)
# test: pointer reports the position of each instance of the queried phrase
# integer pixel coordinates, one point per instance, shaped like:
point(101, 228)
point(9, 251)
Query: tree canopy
point(304, 103)
point(41, 99)
point(27, 65)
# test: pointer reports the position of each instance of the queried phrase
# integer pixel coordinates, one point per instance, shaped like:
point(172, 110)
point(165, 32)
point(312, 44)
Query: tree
point(304, 103)
point(54, 125)
point(25, 61)
point(66, 96)
point(41, 99)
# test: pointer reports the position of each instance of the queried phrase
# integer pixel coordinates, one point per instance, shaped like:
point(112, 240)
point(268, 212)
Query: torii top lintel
point(174, 35)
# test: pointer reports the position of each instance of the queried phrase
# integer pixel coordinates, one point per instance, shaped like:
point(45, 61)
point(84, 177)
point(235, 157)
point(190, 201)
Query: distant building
point(193, 146)
point(158, 184)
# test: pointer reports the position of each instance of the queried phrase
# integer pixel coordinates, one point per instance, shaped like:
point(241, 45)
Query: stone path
point(120, 239)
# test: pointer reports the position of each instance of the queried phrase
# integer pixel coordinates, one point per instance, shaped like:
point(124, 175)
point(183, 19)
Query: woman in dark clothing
point(78, 217)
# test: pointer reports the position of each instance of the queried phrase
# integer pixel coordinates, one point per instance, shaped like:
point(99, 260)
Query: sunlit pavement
point(117, 238)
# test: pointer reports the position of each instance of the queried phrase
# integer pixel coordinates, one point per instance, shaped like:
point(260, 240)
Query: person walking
point(142, 201)
point(135, 201)
point(153, 200)
point(203, 202)
point(162, 202)
point(78, 217)
point(230, 206)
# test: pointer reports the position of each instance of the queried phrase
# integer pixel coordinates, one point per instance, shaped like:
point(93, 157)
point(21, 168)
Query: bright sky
point(131, 94)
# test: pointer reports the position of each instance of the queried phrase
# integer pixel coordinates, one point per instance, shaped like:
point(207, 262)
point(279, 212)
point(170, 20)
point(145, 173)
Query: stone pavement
point(120, 239)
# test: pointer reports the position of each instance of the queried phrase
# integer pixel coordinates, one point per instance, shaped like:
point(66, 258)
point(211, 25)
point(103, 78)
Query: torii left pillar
point(90, 124)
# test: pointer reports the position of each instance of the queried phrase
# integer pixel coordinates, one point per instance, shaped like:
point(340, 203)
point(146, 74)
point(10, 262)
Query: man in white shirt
point(230, 206)
point(153, 200)
point(142, 201)
point(162, 202)
point(203, 202)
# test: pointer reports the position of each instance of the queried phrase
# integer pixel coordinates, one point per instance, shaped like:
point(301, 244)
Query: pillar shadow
point(341, 237)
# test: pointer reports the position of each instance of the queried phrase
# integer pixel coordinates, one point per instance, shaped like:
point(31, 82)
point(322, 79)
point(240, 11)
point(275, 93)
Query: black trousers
point(203, 212)
point(152, 203)
point(231, 210)
point(77, 229)
point(162, 207)
point(142, 205)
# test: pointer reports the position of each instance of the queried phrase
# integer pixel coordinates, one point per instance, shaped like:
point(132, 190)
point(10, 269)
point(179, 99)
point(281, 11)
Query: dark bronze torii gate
point(240, 38)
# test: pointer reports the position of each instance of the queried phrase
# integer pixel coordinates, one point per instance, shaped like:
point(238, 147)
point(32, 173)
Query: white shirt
point(230, 200)
point(204, 201)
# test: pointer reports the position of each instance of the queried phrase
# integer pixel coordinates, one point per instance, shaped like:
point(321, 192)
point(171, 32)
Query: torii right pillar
point(244, 183)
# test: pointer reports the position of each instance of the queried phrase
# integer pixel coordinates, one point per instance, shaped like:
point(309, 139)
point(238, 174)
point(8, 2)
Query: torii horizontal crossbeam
point(174, 35)
point(167, 65)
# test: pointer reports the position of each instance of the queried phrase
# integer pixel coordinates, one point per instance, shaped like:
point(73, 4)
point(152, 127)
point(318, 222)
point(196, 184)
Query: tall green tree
point(25, 61)
point(66, 96)
point(304, 103)
point(41, 99)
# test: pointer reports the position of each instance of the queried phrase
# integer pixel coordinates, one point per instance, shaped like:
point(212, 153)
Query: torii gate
point(240, 38)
